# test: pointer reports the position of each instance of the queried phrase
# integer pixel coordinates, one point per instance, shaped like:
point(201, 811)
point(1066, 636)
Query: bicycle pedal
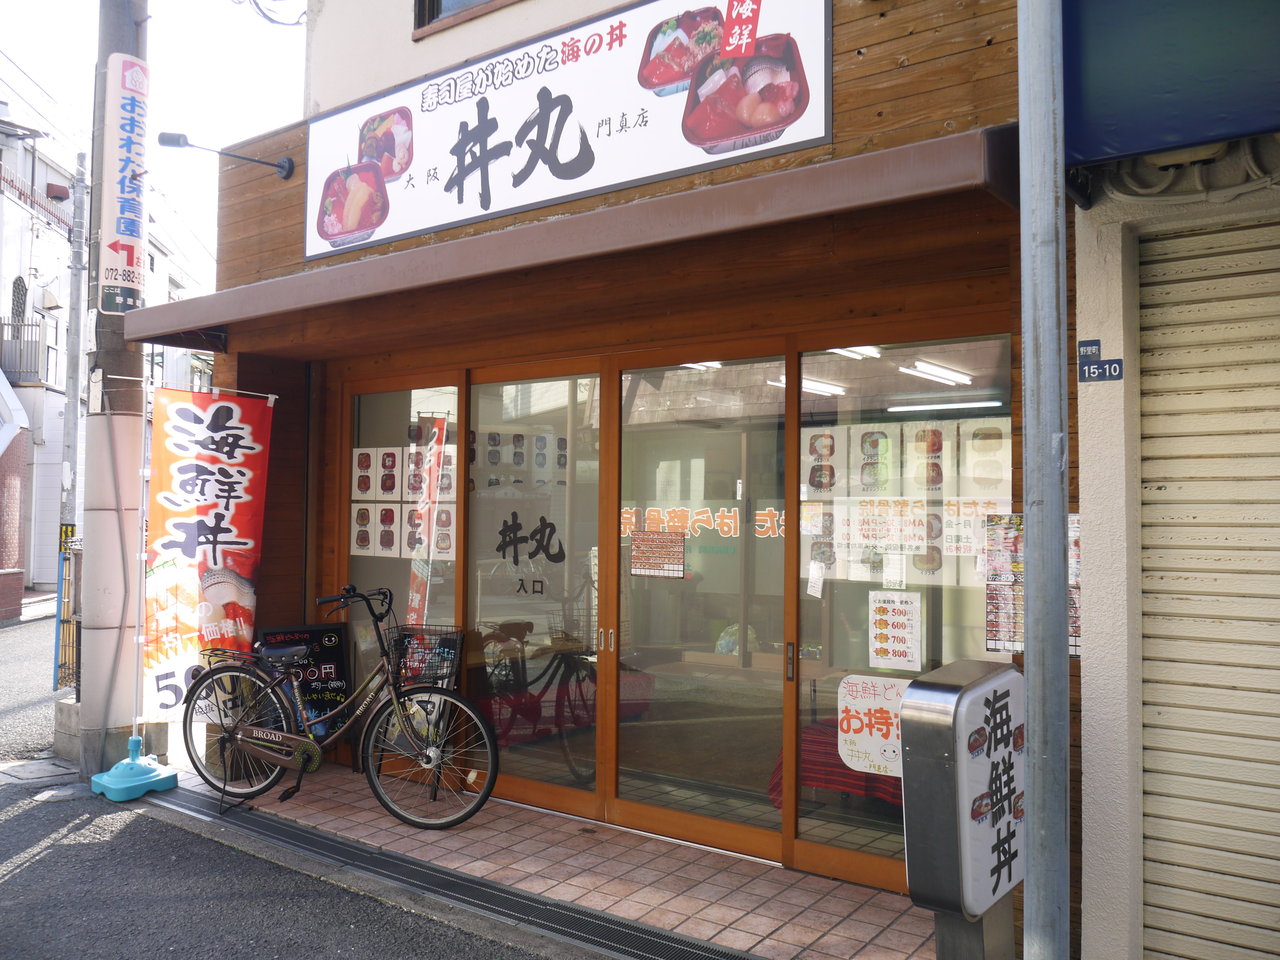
point(287, 793)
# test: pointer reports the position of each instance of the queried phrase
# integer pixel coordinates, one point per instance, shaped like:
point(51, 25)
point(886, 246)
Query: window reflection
point(403, 510)
point(898, 470)
point(702, 588)
point(534, 469)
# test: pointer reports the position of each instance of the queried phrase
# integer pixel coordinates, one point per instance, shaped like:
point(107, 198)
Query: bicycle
point(512, 695)
point(429, 755)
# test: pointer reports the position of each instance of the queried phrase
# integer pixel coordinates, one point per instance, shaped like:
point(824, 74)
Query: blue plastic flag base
point(130, 779)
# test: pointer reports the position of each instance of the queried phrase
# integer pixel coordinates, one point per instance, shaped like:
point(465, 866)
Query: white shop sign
point(644, 93)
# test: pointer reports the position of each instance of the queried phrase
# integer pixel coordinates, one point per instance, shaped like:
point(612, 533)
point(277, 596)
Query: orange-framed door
point(534, 478)
point(698, 606)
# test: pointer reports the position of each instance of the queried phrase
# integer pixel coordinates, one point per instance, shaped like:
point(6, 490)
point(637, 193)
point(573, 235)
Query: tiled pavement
point(736, 902)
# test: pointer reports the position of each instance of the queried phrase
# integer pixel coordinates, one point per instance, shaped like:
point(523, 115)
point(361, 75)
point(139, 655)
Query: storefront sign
point(647, 92)
point(870, 709)
point(122, 225)
point(990, 730)
point(766, 522)
point(204, 531)
point(894, 629)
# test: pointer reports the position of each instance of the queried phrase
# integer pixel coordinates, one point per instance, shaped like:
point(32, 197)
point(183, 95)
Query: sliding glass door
point(701, 589)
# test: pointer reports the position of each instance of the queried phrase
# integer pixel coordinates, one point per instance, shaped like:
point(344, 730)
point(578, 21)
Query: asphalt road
point(83, 878)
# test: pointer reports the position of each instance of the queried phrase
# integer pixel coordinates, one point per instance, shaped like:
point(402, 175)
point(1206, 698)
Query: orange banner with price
point(205, 505)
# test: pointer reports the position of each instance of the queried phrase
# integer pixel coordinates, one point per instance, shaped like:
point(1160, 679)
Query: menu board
point(824, 465)
point(1005, 569)
point(394, 509)
point(895, 629)
point(657, 553)
point(324, 678)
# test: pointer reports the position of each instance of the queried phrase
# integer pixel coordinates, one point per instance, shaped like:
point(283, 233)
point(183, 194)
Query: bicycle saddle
point(516, 629)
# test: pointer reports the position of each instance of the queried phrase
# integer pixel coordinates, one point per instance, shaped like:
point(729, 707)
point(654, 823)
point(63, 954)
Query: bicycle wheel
point(222, 699)
point(576, 719)
point(438, 767)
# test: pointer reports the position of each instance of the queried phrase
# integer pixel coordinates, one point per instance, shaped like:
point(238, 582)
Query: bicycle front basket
point(427, 654)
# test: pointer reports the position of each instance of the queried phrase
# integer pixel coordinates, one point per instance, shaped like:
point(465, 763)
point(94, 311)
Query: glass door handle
point(611, 641)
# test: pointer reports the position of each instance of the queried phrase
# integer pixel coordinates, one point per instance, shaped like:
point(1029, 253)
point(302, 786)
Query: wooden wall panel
point(281, 574)
point(861, 268)
point(905, 71)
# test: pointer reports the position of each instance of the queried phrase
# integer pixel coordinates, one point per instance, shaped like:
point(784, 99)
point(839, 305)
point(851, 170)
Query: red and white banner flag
point(426, 467)
point(204, 532)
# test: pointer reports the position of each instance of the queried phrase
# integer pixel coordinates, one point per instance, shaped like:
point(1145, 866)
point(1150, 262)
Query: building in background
point(37, 174)
point(38, 149)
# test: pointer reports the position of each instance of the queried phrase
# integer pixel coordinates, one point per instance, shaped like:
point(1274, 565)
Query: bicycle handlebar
point(350, 595)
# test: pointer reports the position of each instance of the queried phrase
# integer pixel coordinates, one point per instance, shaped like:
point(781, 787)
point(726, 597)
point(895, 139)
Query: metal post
point(1044, 365)
point(75, 358)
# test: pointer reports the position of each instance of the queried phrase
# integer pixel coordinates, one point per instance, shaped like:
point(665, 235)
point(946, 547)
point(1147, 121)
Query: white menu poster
point(363, 479)
point(386, 472)
point(388, 529)
point(824, 463)
point(363, 529)
point(895, 629)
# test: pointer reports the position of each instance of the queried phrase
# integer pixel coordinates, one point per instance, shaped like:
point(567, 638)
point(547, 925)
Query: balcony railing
point(14, 185)
point(23, 356)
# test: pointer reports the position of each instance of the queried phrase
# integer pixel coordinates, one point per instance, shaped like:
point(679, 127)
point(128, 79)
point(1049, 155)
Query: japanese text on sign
point(122, 247)
point(597, 107)
point(206, 498)
point(869, 718)
point(991, 730)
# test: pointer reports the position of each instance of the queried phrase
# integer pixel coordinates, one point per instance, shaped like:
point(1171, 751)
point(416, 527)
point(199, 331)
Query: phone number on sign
point(121, 275)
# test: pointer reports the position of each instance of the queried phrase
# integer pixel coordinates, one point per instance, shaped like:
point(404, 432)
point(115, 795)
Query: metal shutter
point(1210, 369)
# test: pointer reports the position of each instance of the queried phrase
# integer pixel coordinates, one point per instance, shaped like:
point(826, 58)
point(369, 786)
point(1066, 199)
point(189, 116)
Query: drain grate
point(592, 928)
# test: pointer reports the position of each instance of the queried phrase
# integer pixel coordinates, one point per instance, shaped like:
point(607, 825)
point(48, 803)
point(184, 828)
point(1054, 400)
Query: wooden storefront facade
point(900, 233)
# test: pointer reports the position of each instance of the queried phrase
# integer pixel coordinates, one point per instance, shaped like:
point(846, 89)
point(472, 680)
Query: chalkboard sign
point(325, 678)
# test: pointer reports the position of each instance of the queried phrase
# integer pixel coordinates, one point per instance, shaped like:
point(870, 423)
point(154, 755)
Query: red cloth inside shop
point(526, 716)
point(821, 767)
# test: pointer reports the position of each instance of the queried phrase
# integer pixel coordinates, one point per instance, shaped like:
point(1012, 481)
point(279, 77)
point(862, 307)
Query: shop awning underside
point(980, 160)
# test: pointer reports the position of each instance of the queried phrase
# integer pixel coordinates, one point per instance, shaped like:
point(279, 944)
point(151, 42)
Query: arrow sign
point(128, 249)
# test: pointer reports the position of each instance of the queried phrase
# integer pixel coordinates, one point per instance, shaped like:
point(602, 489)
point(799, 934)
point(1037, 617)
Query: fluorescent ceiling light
point(938, 371)
point(969, 405)
point(928, 376)
point(819, 387)
point(856, 353)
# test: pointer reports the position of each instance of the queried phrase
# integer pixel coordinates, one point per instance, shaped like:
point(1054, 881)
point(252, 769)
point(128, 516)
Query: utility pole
point(75, 354)
point(113, 439)
point(1046, 918)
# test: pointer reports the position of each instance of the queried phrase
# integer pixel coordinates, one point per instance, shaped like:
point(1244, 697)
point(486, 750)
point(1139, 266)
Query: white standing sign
point(990, 743)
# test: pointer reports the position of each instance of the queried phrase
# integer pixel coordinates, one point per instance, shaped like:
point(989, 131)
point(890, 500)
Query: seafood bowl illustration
point(387, 140)
point(353, 204)
point(675, 47)
point(739, 102)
